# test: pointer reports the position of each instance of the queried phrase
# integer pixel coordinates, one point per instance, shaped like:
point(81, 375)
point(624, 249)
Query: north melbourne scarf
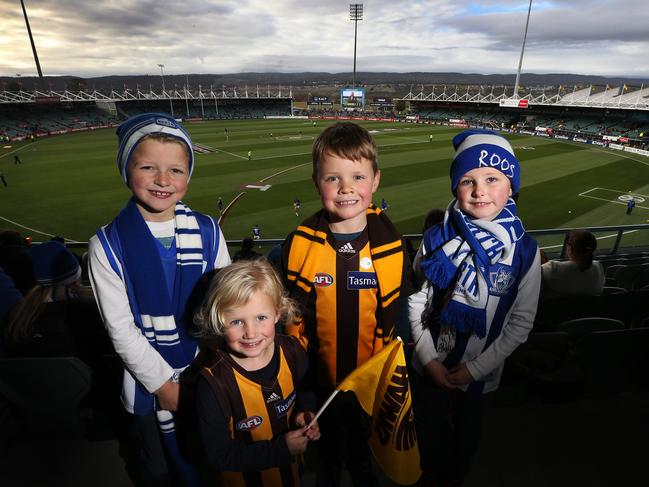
point(461, 253)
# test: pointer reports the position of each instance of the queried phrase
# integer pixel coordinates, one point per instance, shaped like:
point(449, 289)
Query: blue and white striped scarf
point(161, 315)
point(462, 253)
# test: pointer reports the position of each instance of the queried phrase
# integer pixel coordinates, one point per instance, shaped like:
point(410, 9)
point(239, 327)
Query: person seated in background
point(14, 259)
point(246, 252)
point(580, 275)
point(56, 316)
point(9, 296)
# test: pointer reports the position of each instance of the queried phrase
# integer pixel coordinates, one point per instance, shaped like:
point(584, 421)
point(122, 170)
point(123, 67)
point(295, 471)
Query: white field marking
point(16, 150)
point(308, 153)
point(225, 210)
point(617, 202)
point(230, 153)
point(34, 230)
point(617, 153)
point(598, 238)
point(402, 137)
point(264, 187)
point(289, 138)
point(283, 171)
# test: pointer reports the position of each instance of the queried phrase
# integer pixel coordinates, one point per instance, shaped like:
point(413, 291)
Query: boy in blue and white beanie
point(482, 276)
point(143, 267)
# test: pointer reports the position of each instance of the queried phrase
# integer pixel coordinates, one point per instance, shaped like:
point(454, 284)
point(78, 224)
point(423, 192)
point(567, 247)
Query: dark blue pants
point(449, 428)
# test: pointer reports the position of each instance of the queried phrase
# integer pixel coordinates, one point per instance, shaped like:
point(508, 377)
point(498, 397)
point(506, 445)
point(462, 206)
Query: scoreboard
point(319, 100)
point(351, 98)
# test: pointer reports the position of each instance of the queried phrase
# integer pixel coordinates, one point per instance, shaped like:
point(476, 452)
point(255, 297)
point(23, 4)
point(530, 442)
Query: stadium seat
point(642, 278)
point(612, 290)
point(46, 393)
point(613, 361)
point(626, 276)
point(578, 328)
point(545, 364)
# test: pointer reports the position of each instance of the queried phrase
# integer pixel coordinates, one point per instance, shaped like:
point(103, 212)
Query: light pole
point(355, 14)
point(162, 75)
point(520, 61)
point(31, 40)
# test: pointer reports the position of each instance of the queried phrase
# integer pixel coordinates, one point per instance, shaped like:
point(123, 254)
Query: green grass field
point(69, 185)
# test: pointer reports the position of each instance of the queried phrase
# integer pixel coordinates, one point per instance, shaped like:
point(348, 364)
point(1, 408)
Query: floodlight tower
point(355, 14)
point(162, 75)
point(31, 39)
point(520, 61)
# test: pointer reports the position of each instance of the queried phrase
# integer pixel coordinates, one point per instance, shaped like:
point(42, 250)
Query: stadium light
point(520, 61)
point(355, 14)
point(162, 75)
point(31, 39)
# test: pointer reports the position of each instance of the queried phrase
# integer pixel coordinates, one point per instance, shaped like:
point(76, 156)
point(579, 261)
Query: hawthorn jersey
point(349, 289)
point(258, 410)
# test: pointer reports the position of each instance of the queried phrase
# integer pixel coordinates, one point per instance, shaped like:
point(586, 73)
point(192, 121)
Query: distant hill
point(310, 79)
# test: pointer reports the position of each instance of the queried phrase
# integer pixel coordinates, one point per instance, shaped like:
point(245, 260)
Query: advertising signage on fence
point(47, 99)
point(514, 103)
point(381, 102)
point(351, 98)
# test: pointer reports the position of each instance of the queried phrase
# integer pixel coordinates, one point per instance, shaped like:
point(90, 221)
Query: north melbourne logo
point(501, 281)
point(347, 249)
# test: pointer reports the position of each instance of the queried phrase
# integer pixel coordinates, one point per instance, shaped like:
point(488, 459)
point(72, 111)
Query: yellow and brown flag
point(382, 388)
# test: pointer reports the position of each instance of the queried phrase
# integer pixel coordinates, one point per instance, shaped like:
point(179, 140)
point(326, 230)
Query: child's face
point(483, 193)
point(346, 189)
point(249, 331)
point(157, 175)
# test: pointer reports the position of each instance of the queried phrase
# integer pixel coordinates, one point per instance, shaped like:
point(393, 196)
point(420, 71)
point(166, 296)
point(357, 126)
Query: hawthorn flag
point(382, 388)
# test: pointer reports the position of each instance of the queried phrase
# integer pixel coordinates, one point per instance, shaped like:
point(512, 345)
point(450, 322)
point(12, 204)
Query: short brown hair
point(345, 139)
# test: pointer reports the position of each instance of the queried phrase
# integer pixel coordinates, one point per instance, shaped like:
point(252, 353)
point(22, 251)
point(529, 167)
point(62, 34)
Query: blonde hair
point(22, 318)
point(233, 286)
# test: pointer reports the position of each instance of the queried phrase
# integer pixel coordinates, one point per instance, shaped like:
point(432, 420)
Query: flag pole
point(324, 406)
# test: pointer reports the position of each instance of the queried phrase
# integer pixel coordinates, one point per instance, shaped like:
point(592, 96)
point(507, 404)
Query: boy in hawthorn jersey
point(347, 266)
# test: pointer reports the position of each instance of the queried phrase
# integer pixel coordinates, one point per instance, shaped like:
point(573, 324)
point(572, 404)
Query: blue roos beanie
point(131, 132)
point(54, 264)
point(477, 148)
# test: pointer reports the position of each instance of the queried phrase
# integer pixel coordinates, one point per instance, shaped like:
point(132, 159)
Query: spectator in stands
point(246, 252)
point(144, 267)
point(57, 317)
point(10, 296)
point(580, 274)
point(481, 275)
point(15, 260)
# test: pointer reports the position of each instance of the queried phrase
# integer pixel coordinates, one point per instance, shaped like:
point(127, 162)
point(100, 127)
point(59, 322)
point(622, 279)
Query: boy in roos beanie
point(481, 278)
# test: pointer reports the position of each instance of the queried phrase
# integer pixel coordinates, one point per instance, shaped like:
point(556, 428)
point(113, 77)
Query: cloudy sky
point(99, 37)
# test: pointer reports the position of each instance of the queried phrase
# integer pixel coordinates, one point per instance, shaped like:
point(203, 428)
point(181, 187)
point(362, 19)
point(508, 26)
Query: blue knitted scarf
point(161, 315)
point(461, 253)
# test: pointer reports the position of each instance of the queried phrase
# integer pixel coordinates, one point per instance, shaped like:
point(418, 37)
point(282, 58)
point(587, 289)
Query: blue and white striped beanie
point(477, 148)
point(54, 264)
point(131, 132)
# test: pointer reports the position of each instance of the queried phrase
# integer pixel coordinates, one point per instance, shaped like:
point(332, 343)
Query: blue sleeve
point(9, 295)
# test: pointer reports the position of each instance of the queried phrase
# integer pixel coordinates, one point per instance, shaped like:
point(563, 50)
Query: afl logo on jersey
point(249, 424)
point(322, 279)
